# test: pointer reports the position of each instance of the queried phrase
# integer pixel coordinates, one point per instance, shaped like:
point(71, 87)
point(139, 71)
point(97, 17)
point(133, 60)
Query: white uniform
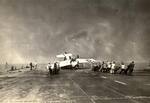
point(109, 65)
point(112, 68)
point(122, 66)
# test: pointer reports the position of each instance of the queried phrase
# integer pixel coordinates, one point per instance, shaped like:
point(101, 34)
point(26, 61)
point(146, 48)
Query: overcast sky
point(102, 29)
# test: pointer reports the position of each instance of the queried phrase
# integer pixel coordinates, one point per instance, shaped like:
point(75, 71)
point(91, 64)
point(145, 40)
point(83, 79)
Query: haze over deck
point(102, 29)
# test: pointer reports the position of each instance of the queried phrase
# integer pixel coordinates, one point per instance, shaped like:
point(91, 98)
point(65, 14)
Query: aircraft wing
point(82, 60)
point(92, 60)
point(64, 63)
point(63, 55)
point(60, 56)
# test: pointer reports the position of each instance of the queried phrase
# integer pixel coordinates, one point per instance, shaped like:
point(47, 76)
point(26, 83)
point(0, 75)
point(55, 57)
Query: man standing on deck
point(112, 71)
point(122, 68)
point(49, 68)
point(31, 65)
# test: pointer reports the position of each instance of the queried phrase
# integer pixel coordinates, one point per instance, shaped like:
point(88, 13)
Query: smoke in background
point(37, 30)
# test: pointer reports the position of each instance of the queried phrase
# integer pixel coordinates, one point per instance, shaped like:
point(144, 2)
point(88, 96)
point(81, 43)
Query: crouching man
point(130, 68)
point(56, 68)
point(123, 70)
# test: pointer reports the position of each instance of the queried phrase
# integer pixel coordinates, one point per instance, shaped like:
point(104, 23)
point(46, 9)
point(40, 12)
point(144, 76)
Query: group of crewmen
point(53, 68)
point(105, 67)
point(112, 67)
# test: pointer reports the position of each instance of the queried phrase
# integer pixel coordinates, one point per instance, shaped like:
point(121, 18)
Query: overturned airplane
point(70, 61)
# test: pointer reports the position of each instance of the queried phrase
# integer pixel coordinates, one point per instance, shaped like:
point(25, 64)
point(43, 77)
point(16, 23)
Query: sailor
point(49, 68)
point(77, 56)
point(112, 67)
point(108, 66)
point(99, 66)
point(127, 69)
point(55, 68)
point(31, 65)
point(103, 68)
point(58, 68)
point(65, 58)
point(96, 66)
point(35, 65)
point(131, 67)
point(122, 68)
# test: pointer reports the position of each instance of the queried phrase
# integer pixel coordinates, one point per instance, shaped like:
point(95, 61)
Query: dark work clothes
point(129, 69)
point(31, 65)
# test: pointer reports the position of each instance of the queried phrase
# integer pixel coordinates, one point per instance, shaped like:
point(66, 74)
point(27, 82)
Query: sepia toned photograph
point(74, 51)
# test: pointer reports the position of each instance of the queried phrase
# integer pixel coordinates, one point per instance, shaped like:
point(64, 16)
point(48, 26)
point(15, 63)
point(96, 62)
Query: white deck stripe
point(82, 90)
point(121, 98)
point(147, 84)
point(120, 82)
point(103, 77)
